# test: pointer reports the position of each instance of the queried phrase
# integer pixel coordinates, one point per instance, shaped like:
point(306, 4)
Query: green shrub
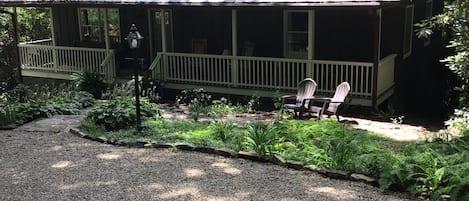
point(189, 95)
point(433, 168)
point(223, 107)
point(63, 103)
point(120, 113)
point(7, 115)
point(261, 138)
point(222, 129)
point(92, 82)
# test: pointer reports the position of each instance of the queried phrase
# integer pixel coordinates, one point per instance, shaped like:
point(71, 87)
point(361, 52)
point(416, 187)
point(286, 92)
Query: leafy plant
point(253, 103)
point(261, 138)
point(188, 95)
point(90, 81)
point(195, 109)
point(120, 113)
point(222, 129)
point(7, 115)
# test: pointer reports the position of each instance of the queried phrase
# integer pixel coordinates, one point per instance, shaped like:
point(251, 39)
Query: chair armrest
point(285, 97)
point(288, 96)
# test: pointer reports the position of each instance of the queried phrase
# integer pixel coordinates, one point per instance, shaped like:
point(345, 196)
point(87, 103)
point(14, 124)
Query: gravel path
point(41, 161)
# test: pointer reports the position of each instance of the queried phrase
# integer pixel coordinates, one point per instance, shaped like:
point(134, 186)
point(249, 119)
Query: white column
point(52, 29)
point(106, 30)
point(163, 43)
point(379, 13)
point(234, 47)
point(150, 32)
point(163, 31)
point(311, 24)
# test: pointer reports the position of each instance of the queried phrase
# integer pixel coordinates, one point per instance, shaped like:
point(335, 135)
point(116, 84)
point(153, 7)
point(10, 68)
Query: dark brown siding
point(264, 27)
point(66, 25)
point(344, 35)
point(211, 24)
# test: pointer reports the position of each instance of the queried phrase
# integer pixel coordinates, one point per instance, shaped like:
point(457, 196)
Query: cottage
point(237, 46)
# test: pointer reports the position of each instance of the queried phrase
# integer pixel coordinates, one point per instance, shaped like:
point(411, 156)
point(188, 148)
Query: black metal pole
point(137, 91)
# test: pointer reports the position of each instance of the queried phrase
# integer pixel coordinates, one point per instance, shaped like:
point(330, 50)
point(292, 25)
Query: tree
point(454, 22)
point(33, 24)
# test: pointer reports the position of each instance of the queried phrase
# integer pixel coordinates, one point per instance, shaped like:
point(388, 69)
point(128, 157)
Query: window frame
point(408, 38)
point(286, 52)
point(101, 12)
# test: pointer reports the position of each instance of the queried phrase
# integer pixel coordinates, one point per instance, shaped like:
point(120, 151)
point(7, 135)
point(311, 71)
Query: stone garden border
point(297, 165)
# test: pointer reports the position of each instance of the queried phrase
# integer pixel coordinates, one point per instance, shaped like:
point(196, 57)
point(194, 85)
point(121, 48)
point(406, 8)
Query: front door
point(155, 31)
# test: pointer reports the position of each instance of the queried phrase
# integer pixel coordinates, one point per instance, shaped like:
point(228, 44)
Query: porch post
point(52, 29)
point(163, 42)
point(106, 31)
point(376, 54)
point(14, 19)
point(234, 46)
point(311, 24)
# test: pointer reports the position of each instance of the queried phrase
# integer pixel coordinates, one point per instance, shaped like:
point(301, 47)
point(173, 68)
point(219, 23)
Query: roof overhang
point(286, 3)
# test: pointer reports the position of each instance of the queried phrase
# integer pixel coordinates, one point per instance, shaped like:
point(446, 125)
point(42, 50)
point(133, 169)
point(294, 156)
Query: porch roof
point(288, 3)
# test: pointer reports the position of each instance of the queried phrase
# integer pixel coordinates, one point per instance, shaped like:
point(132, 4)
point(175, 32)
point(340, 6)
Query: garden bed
point(327, 147)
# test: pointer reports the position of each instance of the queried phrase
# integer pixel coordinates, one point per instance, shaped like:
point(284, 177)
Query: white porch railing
point(40, 55)
point(263, 73)
point(386, 73)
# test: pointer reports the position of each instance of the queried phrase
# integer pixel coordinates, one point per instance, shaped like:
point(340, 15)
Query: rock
point(89, 137)
point(445, 197)
point(208, 150)
point(276, 159)
point(314, 168)
point(112, 141)
point(226, 152)
point(364, 179)
point(297, 165)
point(187, 147)
point(137, 144)
point(336, 174)
point(250, 156)
point(122, 142)
point(162, 145)
point(101, 139)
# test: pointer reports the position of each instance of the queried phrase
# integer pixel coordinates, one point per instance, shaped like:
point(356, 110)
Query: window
point(296, 34)
point(428, 15)
point(408, 30)
point(92, 24)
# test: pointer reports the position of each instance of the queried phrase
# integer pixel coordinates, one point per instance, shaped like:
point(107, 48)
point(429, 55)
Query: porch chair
point(305, 92)
point(330, 106)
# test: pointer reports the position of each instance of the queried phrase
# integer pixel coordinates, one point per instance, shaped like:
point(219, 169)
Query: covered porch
point(42, 58)
point(244, 75)
point(225, 65)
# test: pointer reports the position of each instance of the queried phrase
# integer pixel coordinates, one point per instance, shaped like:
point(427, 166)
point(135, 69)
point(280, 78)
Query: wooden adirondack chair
point(330, 106)
point(305, 92)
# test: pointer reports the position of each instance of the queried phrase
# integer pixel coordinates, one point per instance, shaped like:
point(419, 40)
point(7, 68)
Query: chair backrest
point(340, 94)
point(306, 89)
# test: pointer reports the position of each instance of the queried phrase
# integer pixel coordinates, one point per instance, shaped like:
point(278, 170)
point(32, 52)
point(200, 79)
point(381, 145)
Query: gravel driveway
point(40, 161)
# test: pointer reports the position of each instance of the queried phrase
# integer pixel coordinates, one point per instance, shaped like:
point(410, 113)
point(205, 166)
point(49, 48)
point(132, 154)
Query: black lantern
point(134, 39)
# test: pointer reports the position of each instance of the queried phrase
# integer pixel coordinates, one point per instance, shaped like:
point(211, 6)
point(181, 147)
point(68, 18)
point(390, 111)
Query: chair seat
point(315, 109)
point(293, 106)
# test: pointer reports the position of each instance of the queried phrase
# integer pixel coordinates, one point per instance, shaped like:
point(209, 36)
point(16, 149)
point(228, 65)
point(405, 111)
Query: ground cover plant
point(438, 166)
point(64, 103)
point(23, 103)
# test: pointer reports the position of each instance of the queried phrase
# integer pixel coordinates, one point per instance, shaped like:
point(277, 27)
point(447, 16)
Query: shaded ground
point(39, 161)
point(399, 132)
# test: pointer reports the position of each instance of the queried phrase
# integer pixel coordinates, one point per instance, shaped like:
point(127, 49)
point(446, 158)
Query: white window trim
point(427, 41)
point(411, 33)
point(286, 54)
point(80, 25)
